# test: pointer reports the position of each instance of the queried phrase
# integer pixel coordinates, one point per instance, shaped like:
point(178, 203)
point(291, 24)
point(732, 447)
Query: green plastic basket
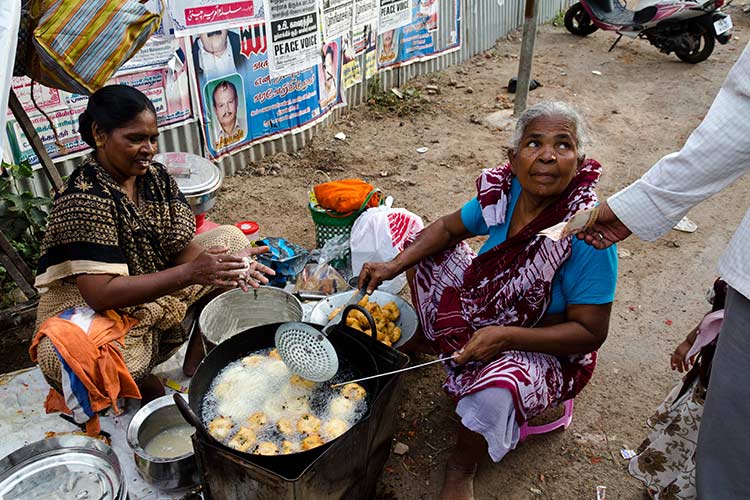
point(329, 224)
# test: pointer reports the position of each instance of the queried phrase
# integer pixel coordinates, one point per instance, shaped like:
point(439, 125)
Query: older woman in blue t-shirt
point(526, 315)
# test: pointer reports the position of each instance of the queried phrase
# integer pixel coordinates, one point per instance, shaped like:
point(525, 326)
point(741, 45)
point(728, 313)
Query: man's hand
point(606, 231)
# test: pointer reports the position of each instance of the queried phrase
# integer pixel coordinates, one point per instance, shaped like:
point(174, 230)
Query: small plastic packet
point(283, 256)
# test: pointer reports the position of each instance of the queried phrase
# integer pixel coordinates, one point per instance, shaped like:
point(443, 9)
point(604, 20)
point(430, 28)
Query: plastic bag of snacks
point(321, 278)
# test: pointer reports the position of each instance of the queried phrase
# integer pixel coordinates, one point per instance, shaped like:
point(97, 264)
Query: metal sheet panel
point(483, 22)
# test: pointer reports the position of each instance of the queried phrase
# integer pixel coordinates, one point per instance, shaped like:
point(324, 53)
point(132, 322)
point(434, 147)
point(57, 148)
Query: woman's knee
point(49, 362)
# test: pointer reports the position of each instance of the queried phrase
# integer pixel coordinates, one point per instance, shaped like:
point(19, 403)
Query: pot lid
point(194, 174)
point(65, 467)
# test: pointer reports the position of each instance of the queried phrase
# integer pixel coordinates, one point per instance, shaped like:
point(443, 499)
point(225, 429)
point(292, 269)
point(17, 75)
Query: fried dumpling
point(308, 424)
point(353, 391)
point(267, 448)
point(288, 447)
point(312, 441)
point(341, 408)
point(220, 427)
point(286, 427)
point(332, 429)
point(243, 440)
point(257, 420)
point(253, 360)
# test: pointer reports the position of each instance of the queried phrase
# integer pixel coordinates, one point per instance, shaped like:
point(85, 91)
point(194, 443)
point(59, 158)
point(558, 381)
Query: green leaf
point(25, 170)
point(38, 217)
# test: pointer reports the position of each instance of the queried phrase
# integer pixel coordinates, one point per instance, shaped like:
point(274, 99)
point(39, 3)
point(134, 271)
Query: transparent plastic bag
point(321, 278)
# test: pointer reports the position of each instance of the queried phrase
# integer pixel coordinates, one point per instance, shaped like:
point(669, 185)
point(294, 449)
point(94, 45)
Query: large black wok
point(352, 354)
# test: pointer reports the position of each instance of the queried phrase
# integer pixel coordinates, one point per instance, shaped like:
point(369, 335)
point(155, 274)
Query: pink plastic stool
point(564, 421)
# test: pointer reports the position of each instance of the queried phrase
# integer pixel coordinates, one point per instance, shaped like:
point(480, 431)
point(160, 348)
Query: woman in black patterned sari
point(121, 238)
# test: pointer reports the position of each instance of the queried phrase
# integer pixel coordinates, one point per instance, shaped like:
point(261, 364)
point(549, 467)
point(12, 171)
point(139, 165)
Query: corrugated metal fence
point(482, 23)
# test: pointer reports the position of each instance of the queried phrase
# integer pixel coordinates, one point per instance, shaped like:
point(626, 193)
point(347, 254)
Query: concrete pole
point(526, 58)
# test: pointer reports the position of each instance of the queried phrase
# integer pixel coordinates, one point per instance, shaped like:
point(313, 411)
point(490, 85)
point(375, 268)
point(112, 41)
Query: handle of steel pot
point(189, 415)
point(373, 328)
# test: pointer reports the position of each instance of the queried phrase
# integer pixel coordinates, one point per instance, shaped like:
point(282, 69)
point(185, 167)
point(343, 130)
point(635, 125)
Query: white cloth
point(715, 155)
point(491, 413)
point(216, 66)
point(10, 17)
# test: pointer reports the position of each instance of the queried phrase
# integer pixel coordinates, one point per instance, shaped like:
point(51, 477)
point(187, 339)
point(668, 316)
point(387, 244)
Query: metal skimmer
point(306, 351)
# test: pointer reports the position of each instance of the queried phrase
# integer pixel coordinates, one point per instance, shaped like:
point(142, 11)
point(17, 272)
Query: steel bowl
point(165, 473)
point(407, 321)
point(235, 311)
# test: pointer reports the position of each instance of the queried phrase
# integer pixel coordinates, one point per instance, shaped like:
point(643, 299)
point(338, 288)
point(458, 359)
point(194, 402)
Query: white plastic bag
point(379, 234)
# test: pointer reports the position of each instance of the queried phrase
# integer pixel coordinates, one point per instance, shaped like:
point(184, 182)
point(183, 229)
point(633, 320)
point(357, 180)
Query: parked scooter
point(687, 28)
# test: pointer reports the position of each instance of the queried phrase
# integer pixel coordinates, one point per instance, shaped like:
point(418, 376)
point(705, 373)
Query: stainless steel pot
point(63, 467)
point(198, 179)
point(164, 473)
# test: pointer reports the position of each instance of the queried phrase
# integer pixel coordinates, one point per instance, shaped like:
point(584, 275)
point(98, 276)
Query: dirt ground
point(642, 106)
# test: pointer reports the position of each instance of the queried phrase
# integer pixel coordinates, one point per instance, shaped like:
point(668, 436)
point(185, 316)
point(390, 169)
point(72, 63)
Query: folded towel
point(94, 374)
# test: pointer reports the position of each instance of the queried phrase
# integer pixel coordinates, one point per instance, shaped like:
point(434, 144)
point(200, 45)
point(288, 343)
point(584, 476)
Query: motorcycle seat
point(613, 12)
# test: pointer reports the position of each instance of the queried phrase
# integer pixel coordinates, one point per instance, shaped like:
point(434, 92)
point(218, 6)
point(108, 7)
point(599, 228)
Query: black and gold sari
point(94, 228)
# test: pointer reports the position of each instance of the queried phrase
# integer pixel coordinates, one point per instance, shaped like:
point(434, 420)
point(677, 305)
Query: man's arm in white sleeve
point(716, 154)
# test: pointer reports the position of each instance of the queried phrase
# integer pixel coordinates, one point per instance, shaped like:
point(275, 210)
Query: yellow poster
point(371, 64)
point(352, 73)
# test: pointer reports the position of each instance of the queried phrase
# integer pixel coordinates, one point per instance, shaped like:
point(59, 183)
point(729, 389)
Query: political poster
point(189, 17)
point(242, 103)
point(294, 36)
point(338, 16)
point(417, 41)
point(394, 14)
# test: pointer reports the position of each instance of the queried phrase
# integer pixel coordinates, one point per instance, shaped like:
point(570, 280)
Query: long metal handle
point(444, 358)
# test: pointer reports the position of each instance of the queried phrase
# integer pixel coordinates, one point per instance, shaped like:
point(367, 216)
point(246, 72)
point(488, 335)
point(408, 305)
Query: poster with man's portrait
point(329, 74)
point(224, 100)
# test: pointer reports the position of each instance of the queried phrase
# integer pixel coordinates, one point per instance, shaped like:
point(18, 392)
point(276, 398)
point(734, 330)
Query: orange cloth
point(94, 358)
point(345, 196)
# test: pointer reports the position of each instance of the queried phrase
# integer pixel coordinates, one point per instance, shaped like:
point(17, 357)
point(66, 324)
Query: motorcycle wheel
point(578, 22)
point(704, 40)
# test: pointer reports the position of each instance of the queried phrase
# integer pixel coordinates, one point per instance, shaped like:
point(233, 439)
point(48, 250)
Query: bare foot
point(459, 482)
point(151, 388)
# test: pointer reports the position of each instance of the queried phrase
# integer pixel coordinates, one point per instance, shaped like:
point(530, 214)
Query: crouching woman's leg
point(488, 426)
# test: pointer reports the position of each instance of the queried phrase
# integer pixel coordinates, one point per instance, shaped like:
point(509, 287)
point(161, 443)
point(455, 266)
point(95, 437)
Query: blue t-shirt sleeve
point(471, 216)
point(590, 275)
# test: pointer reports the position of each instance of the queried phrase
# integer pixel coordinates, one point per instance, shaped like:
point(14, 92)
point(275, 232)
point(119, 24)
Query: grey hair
point(547, 109)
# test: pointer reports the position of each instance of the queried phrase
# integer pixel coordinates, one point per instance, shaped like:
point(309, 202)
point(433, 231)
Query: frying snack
point(288, 447)
point(384, 317)
point(253, 360)
point(286, 427)
point(274, 354)
point(334, 428)
point(312, 441)
point(220, 427)
point(341, 408)
point(267, 448)
point(257, 420)
point(302, 383)
point(353, 391)
point(308, 424)
point(243, 440)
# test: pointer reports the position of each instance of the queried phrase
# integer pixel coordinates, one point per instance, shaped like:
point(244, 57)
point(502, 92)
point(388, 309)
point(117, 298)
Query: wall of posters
point(338, 16)
point(294, 35)
point(189, 17)
point(241, 102)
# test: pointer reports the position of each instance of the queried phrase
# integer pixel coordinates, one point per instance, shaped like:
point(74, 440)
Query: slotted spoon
point(308, 352)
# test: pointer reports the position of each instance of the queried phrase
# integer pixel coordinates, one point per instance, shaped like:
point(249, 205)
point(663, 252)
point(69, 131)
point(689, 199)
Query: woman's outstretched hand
point(606, 231)
point(485, 345)
point(678, 360)
point(214, 266)
point(255, 273)
point(374, 273)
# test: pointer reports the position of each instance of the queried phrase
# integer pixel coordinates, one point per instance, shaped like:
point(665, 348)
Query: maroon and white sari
point(457, 292)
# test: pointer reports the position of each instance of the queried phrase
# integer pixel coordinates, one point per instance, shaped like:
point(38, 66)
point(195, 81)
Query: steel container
point(165, 473)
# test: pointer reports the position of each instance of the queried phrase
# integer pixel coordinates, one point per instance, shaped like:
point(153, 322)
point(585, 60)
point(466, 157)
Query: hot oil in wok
point(256, 405)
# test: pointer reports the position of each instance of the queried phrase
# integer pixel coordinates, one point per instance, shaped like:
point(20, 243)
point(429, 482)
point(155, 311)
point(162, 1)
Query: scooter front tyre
point(578, 21)
point(704, 35)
